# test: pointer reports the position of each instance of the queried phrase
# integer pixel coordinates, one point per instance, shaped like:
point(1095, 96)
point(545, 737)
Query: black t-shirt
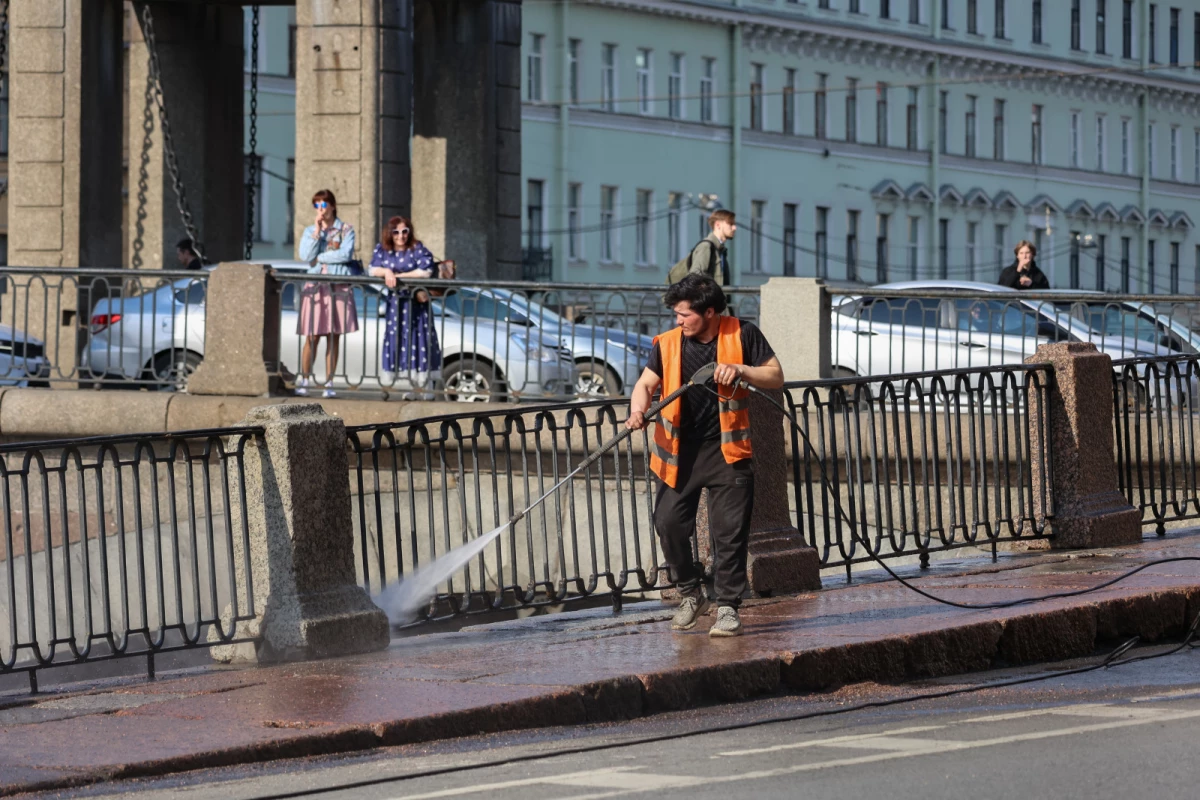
point(701, 419)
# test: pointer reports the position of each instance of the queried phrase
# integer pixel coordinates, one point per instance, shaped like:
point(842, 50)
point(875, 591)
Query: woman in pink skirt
point(326, 309)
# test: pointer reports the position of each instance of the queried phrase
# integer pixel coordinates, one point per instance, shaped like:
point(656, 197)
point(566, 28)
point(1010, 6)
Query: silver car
point(22, 359)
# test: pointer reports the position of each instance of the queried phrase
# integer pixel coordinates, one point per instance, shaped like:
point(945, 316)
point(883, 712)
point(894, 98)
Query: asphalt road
point(1128, 731)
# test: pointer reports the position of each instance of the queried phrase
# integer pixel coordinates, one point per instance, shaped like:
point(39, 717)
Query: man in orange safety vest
point(702, 441)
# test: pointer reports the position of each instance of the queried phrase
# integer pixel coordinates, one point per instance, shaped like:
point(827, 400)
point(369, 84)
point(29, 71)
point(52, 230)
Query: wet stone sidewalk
point(595, 666)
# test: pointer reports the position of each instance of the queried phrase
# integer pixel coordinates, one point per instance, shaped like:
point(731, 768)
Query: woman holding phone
point(326, 309)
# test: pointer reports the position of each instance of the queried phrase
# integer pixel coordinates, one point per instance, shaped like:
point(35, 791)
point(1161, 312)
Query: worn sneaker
point(302, 386)
point(690, 610)
point(329, 392)
point(728, 623)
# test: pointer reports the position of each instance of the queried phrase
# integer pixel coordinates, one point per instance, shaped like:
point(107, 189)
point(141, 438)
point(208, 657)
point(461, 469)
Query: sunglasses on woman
point(320, 205)
point(400, 232)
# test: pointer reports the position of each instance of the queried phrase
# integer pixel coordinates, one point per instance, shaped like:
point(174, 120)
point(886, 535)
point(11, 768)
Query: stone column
point(794, 315)
point(200, 53)
point(1089, 511)
point(353, 93)
point(466, 176)
point(64, 196)
point(780, 561)
point(301, 543)
point(241, 339)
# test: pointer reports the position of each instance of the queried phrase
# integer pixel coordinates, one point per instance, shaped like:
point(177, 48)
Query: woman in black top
point(1024, 273)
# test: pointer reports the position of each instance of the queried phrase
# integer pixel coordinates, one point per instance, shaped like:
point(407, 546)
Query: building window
point(998, 150)
point(911, 116)
point(1037, 21)
point(851, 245)
point(881, 114)
point(644, 79)
point(252, 193)
point(574, 221)
point(969, 144)
point(1127, 29)
point(1196, 48)
point(1035, 134)
point(824, 4)
point(756, 97)
point(972, 16)
point(533, 63)
point(674, 226)
point(1000, 235)
point(819, 98)
point(1126, 148)
point(643, 235)
point(789, 239)
point(1173, 40)
point(822, 242)
point(946, 15)
point(573, 53)
point(675, 87)
point(972, 250)
point(757, 212)
point(943, 248)
point(535, 214)
point(289, 235)
point(1152, 15)
point(1151, 135)
point(291, 64)
point(852, 109)
point(1151, 247)
point(608, 230)
point(1173, 266)
point(914, 12)
point(1101, 27)
point(914, 246)
point(943, 101)
point(1076, 26)
point(608, 78)
point(1175, 170)
point(1074, 133)
point(707, 104)
point(1001, 19)
point(1073, 261)
point(881, 247)
point(885, 9)
point(1125, 249)
point(1101, 265)
point(855, 7)
point(1101, 141)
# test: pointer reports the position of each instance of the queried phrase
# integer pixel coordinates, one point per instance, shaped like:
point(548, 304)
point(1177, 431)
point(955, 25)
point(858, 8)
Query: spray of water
point(403, 601)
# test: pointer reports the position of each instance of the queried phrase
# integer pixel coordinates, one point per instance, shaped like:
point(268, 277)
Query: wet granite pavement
point(594, 666)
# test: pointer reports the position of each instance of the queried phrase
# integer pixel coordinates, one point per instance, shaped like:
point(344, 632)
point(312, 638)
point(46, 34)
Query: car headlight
point(535, 352)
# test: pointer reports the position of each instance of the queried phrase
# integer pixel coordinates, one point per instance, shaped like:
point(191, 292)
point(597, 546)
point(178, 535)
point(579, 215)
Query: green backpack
point(684, 265)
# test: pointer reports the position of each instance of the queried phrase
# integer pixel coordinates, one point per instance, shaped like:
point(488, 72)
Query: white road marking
point(632, 781)
point(823, 742)
point(899, 743)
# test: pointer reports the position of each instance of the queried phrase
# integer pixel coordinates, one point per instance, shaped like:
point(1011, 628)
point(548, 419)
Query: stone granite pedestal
point(241, 340)
point(1088, 509)
point(297, 503)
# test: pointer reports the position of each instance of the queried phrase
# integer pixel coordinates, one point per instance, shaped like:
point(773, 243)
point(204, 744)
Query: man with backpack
point(709, 256)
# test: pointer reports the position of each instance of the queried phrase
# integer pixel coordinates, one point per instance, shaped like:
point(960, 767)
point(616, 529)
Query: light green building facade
point(865, 139)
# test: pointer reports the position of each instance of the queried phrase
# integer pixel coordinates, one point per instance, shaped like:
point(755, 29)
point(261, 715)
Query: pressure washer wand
point(698, 378)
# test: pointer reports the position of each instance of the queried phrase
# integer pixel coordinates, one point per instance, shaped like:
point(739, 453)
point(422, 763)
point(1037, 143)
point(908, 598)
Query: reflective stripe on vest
point(734, 411)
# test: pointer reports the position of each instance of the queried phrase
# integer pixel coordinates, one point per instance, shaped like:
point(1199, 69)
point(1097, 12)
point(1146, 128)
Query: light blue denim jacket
point(333, 249)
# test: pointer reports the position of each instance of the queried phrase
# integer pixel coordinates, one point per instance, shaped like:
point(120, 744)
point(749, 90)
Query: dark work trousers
point(730, 502)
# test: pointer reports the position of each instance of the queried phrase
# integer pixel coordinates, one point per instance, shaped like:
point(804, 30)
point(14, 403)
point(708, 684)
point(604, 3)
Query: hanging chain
point(4, 43)
point(143, 184)
point(252, 157)
point(154, 89)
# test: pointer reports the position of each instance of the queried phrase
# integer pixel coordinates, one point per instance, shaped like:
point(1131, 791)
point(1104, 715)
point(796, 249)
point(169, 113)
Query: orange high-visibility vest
point(734, 409)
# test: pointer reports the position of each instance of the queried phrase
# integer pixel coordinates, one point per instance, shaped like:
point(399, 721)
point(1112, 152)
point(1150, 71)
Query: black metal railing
point(1155, 404)
point(904, 465)
point(84, 327)
point(122, 546)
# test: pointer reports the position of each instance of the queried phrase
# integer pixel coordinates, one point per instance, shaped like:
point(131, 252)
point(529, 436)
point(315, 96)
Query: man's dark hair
point(186, 244)
point(700, 291)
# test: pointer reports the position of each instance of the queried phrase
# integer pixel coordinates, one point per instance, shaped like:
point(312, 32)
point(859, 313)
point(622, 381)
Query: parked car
point(23, 359)
point(608, 361)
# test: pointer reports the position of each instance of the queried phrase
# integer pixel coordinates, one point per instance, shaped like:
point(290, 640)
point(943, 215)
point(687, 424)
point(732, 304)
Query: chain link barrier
point(252, 157)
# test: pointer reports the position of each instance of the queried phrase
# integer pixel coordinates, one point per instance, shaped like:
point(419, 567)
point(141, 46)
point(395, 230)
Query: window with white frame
point(643, 231)
point(645, 79)
point(852, 109)
point(609, 234)
point(819, 105)
point(914, 12)
point(1101, 141)
point(789, 101)
point(758, 210)
point(822, 242)
point(574, 51)
point(608, 78)
point(1074, 133)
point(1176, 171)
point(998, 130)
point(533, 62)
point(852, 245)
point(757, 72)
point(1001, 19)
point(1151, 135)
point(790, 212)
point(881, 114)
point(882, 224)
point(708, 104)
point(674, 226)
point(535, 210)
point(911, 119)
point(574, 221)
point(969, 127)
point(914, 246)
point(1126, 147)
point(675, 87)
point(1035, 134)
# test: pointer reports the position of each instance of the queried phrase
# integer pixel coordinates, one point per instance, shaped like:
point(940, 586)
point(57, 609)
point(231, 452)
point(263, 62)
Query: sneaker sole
point(715, 632)
point(700, 612)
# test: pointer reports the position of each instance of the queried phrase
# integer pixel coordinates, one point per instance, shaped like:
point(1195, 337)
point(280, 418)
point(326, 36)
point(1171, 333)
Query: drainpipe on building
point(1144, 124)
point(735, 121)
point(561, 246)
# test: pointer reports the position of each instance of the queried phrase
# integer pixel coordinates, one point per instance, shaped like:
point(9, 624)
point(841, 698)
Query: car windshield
point(1115, 319)
point(499, 306)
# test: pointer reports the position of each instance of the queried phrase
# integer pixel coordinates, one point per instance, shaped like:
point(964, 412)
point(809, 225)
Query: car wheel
point(471, 381)
point(173, 368)
point(594, 380)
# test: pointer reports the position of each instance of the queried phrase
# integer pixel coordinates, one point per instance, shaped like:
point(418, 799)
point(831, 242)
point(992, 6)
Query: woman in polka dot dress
point(410, 346)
